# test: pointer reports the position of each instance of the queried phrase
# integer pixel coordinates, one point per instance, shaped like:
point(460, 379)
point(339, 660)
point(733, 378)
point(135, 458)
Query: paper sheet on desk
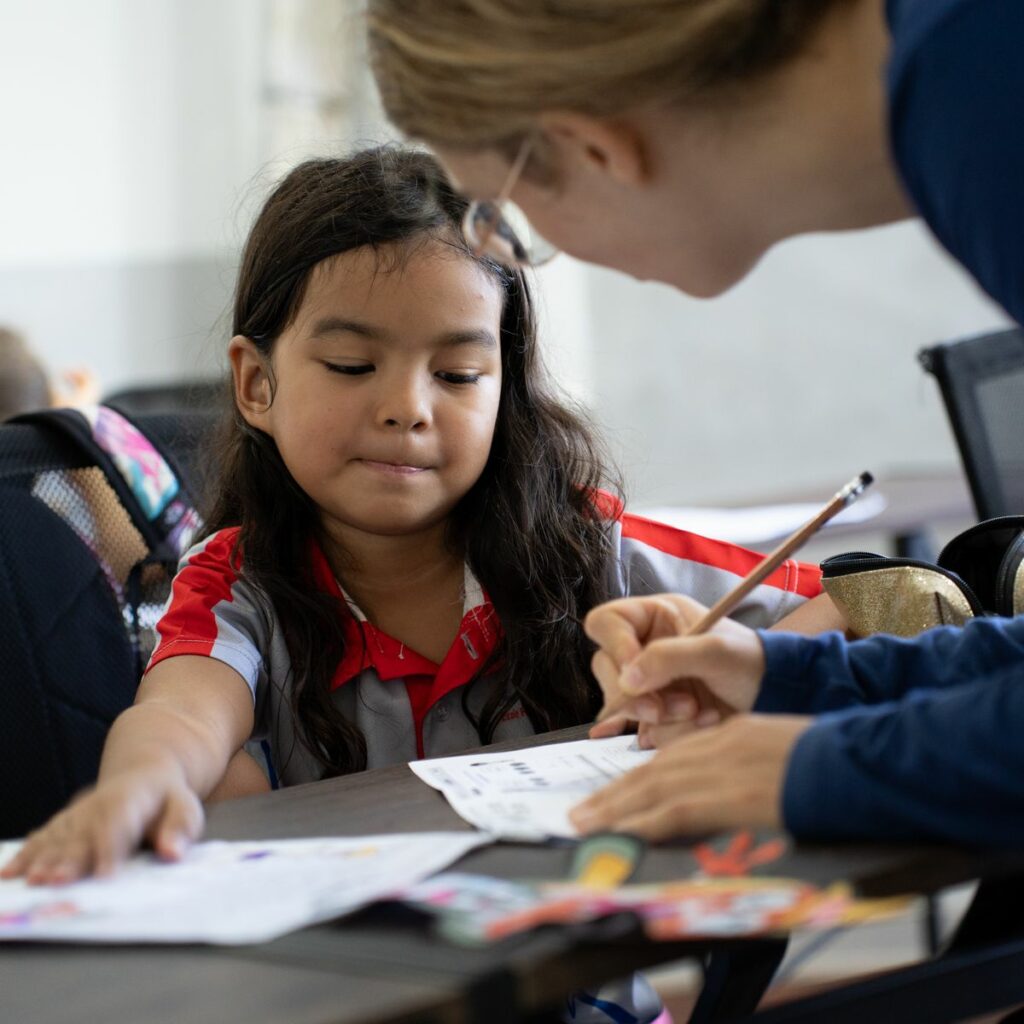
point(527, 794)
point(759, 523)
point(227, 893)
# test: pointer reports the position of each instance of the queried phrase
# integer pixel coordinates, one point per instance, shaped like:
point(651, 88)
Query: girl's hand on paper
point(668, 682)
point(106, 824)
point(727, 776)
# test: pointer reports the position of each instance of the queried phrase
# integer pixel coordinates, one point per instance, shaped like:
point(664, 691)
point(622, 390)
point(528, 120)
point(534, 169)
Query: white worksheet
point(227, 893)
point(527, 794)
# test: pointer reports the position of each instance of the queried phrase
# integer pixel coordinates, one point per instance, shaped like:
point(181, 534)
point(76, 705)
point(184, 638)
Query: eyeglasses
point(498, 229)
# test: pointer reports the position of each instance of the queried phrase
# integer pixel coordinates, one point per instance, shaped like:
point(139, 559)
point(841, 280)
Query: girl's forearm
point(818, 615)
point(154, 737)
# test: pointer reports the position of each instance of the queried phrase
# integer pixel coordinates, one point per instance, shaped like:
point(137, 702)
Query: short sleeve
point(213, 613)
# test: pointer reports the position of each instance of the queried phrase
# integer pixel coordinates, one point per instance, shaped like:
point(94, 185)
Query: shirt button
point(442, 713)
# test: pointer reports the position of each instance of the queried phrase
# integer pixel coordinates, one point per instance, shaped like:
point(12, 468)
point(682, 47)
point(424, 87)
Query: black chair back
point(200, 395)
point(982, 385)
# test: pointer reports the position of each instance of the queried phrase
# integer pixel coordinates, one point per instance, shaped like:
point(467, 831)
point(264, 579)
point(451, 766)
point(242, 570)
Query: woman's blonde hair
point(474, 74)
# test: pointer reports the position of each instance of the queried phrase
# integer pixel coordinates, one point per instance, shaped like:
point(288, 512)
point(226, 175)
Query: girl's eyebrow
point(341, 325)
point(479, 336)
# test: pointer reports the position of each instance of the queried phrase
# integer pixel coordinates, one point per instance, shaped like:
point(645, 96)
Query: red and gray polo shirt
point(406, 705)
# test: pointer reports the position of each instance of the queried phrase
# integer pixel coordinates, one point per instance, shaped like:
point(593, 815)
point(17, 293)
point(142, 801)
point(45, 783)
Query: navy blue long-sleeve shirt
point(925, 737)
point(955, 83)
point(920, 738)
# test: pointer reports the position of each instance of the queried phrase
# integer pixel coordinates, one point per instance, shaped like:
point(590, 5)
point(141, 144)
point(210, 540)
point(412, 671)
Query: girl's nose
point(405, 407)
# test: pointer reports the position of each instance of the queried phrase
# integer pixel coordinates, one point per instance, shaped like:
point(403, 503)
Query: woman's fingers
point(617, 626)
point(609, 727)
point(664, 661)
point(728, 776)
point(675, 817)
point(621, 628)
point(606, 672)
point(724, 665)
point(656, 736)
point(643, 649)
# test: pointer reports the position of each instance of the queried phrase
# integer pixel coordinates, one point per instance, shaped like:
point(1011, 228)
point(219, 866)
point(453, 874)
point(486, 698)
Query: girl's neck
point(380, 571)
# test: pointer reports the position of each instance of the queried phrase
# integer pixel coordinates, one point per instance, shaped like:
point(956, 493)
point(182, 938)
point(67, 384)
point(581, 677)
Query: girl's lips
point(390, 467)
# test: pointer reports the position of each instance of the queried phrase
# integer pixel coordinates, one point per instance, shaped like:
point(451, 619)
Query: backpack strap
point(143, 478)
point(147, 487)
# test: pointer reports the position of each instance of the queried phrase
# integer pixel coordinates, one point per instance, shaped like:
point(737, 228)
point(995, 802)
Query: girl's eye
point(458, 378)
point(351, 371)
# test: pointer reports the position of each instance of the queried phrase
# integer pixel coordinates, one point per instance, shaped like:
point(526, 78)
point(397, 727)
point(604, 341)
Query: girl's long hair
point(528, 527)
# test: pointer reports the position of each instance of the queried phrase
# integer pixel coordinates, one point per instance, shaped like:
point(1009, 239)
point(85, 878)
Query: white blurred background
point(139, 135)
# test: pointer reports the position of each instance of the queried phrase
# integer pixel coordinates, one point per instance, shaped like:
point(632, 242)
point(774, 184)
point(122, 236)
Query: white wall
point(802, 375)
point(131, 132)
point(139, 134)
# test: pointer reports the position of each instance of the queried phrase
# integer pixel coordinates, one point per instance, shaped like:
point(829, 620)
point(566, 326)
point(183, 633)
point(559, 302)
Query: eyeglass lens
point(503, 233)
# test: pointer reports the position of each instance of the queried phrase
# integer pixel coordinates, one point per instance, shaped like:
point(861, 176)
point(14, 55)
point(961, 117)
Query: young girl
point(407, 532)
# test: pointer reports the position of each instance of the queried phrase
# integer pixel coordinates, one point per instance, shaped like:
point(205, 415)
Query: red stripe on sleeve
point(796, 577)
point(189, 626)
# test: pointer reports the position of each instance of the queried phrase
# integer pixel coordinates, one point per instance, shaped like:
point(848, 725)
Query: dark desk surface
point(382, 965)
point(172, 985)
point(394, 800)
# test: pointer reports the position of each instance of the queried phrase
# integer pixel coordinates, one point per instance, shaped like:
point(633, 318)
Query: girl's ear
point(616, 148)
point(254, 392)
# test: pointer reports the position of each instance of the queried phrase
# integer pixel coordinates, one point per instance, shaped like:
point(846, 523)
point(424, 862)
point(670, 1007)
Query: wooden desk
point(383, 965)
point(196, 985)
point(394, 800)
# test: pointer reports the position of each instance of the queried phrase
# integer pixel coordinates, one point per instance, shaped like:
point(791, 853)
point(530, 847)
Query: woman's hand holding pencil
point(718, 767)
point(653, 673)
point(651, 658)
point(673, 666)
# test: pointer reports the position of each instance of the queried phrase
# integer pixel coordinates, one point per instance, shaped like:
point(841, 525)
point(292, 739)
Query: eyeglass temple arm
point(516, 169)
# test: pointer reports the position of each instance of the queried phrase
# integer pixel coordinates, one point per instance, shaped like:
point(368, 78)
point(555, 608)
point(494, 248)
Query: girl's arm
point(244, 777)
point(818, 615)
point(162, 757)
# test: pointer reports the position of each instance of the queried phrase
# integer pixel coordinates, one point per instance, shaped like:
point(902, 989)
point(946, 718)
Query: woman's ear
point(254, 387)
point(616, 148)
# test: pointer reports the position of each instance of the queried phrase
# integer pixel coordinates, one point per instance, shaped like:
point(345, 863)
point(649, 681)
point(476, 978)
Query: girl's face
point(385, 387)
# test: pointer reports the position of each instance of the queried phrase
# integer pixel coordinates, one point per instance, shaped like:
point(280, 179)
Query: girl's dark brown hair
point(527, 528)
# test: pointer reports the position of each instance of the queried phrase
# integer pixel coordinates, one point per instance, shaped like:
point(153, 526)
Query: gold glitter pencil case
point(979, 572)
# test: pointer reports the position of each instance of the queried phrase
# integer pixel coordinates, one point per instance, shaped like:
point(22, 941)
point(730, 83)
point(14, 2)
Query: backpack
point(94, 516)
point(979, 572)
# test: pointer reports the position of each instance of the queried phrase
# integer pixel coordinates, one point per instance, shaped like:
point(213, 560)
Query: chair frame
point(958, 367)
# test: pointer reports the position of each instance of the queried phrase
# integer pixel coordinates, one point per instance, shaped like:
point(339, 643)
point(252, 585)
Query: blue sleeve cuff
point(787, 686)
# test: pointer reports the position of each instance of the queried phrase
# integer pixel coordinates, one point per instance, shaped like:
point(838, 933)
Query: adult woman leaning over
point(679, 140)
